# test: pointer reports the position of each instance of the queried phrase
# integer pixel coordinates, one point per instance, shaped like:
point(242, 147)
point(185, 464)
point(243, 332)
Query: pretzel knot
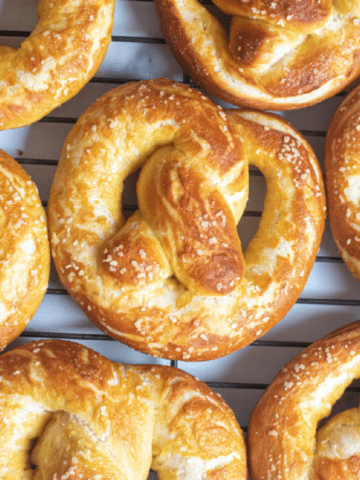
point(342, 172)
point(283, 440)
point(172, 280)
point(67, 412)
point(61, 55)
point(24, 250)
point(277, 55)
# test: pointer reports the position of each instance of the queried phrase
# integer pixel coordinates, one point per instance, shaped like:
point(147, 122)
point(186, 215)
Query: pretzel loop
point(276, 56)
point(68, 412)
point(342, 170)
point(172, 280)
point(24, 250)
point(283, 440)
point(60, 56)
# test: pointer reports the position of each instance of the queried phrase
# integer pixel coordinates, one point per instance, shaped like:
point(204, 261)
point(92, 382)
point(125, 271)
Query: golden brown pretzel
point(24, 250)
point(172, 281)
point(278, 55)
point(282, 437)
point(60, 56)
point(342, 170)
point(71, 413)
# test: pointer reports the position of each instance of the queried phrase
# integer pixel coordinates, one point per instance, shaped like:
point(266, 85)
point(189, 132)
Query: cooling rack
point(331, 297)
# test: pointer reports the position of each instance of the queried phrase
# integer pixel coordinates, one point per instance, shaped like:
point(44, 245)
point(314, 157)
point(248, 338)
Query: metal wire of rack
point(330, 299)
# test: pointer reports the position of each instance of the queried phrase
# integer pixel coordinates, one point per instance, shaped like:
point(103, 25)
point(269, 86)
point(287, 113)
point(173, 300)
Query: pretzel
point(67, 412)
point(24, 250)
point(282, 438)
point(172, 281)
point(277, 55)
point(60, 56)
point(342, 153)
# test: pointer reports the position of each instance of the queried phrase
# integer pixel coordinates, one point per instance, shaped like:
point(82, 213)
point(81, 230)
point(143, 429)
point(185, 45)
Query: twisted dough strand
point(172, 281)
point(278, 55)
point(24, 250)
point(283, 443)
point(60, 56)
point(72, 414)
point(342, 170)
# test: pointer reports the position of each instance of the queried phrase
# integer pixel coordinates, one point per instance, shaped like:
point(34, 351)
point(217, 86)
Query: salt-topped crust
point(69, 412)
point(172, 281)
point(24, 250)
point(63, 52)
point(278, 55)
point(342, 171)
point(284, 443)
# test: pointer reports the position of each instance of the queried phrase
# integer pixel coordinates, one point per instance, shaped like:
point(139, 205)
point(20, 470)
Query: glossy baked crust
point(24, 250)
point(60, 56)
point(342, 171)
point(278, 55)
point(73, 414)
point(172, 281)
point(282, 437)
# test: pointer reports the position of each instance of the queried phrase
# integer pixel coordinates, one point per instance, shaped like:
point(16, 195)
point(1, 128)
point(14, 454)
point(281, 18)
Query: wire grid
point(330, 299)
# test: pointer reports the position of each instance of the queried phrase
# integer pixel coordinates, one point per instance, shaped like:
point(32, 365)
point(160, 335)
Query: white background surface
point(331, 297)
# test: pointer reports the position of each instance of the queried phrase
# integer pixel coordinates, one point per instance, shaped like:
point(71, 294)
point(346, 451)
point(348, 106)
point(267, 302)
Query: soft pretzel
point(278, 54)
point(24, 250)
point(282, 437)
point(342, 170)
point(63, 52)
point(172, 280)
point(67, 412)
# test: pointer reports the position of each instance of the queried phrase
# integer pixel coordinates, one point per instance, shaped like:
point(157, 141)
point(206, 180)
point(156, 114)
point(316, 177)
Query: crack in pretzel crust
point(71, 413)
point(283, 439)
point(172, 281)
point(342, 170)
point(24, 250)
point(61, 55)
point(278, 55)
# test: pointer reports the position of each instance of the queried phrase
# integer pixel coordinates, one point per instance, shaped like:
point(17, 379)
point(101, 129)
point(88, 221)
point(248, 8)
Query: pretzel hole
point(34, 442)
point(31, 465)
point(62, 446)
point(338, 438)
point(66, 444)
point(129, 199)
point(349, 399)
point(249, 222)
